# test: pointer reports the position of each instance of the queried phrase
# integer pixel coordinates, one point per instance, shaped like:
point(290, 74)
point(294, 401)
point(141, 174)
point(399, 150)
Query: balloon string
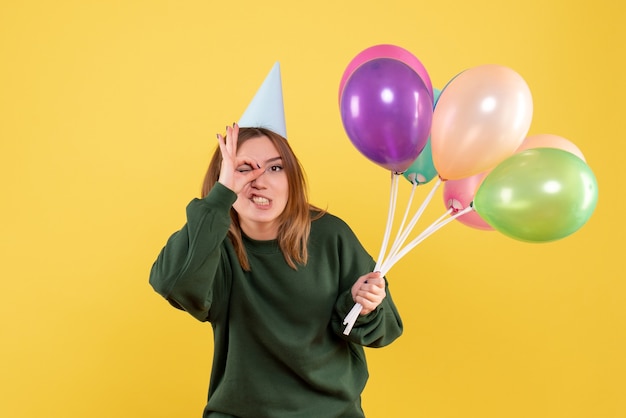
point(393, 195)
point(402, 237)
point(400, 234)
point(352, 316)
point(434, 227)
point(395, 254)
point(425, 233)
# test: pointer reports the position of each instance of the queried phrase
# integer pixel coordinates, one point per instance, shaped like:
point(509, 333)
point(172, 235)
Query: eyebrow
point(273, 159)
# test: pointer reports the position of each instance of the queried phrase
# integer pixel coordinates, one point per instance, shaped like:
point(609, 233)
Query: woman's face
point(262, 201)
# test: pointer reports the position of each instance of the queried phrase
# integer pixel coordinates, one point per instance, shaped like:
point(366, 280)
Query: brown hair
point(295, 221)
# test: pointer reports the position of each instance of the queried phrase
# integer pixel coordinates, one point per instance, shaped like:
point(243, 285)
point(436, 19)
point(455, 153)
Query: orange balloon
point(550, 141)
point(481, 118)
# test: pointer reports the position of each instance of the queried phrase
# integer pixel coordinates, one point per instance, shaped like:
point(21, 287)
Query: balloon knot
point(454, 205)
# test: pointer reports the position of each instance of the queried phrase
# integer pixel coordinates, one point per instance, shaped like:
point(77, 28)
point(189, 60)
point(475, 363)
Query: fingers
point(232, 136)
point(372, 291)
point(228, 144)
point(369, 301)
point(222, 144)
point(236, 171)
point(369, 291)
point(249, 171)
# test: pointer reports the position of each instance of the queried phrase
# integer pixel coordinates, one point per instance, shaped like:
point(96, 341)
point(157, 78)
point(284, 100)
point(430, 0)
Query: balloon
point(550, 141)
point(386, 112)
point(385, 51)
point(481, 118)
point(538, 195)
point(422, 170)
point(459, 194)
point(436, 95)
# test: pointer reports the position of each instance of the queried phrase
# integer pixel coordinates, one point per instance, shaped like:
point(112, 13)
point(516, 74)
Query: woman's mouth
point(261, 201)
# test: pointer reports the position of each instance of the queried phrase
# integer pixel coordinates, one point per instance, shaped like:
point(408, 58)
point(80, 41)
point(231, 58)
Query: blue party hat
point(266, 110)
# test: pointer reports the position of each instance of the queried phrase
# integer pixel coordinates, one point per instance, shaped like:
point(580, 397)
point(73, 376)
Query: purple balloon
point(387, 112)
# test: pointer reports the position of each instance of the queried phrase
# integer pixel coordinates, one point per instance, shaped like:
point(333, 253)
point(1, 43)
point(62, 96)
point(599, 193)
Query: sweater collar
point(260, 247)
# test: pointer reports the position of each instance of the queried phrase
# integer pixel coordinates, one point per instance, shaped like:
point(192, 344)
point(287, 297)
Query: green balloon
point(538, 195)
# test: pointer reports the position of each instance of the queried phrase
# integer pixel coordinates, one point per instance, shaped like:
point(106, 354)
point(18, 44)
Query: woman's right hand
point(236, 171)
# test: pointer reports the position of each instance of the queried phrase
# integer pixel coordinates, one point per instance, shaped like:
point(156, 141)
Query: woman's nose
point(258, 182)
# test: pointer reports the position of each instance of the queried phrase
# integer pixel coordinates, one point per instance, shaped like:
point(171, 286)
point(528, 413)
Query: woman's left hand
point(369, 291)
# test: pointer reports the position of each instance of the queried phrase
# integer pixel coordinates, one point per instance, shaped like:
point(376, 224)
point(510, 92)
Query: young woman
point(275, 277)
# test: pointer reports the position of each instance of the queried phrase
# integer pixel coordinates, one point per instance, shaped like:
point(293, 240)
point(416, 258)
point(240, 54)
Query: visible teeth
point(260, 200)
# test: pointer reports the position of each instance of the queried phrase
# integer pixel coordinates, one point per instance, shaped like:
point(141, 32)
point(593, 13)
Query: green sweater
point(279, 348)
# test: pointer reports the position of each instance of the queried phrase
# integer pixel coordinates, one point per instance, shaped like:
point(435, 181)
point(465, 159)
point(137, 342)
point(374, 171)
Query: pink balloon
point(459, 194)
point(386, 51)
point(481, 118)
point(550, 141)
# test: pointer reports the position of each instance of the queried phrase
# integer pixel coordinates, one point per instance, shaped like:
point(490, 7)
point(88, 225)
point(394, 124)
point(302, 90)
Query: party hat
point(266, 110)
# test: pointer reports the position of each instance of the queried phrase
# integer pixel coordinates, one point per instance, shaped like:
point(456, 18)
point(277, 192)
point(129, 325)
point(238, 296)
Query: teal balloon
point(422, 170)
point(538, 195)
point(436, 94)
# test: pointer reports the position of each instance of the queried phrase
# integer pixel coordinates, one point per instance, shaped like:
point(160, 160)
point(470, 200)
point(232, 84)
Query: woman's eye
point(275, 168)
point(244, 168)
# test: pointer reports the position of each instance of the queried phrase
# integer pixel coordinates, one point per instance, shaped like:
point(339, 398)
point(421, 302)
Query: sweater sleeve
point(376, 329)
point(186, 269)
point(381, 326)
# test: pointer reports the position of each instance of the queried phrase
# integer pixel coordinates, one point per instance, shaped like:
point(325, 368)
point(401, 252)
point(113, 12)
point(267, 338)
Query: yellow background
point(109, 111)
